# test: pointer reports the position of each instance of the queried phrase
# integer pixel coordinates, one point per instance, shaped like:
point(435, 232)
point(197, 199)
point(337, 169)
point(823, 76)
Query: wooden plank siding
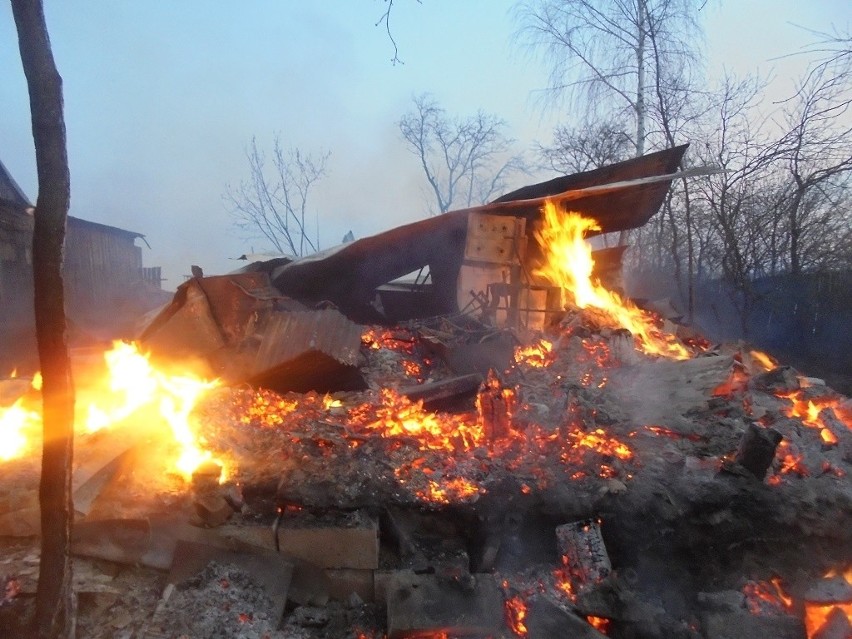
point(16, 272)
point(103, 267)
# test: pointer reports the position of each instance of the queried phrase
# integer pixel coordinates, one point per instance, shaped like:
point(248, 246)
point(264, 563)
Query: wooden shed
point(105, 281)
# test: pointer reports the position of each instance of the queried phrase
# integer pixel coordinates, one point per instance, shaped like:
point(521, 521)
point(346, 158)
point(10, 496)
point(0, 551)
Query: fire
point(450, 491)
point(810, 410)
point(737, 381)
point(538, 355)
point(817, 614)
point(15, 423)
point(598, 441)
point(568, 264)
point(412, 368)
point(132, 390)
point(791, 463)
point(763, 360)
point(399, 416)
point(516, 613)
point(376, 339)
point(601, 624)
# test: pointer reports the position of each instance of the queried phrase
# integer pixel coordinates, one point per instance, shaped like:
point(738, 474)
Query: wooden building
point(106, 285)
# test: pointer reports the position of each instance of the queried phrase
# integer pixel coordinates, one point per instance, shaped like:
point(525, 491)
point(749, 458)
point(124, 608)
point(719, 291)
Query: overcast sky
point(162, 97)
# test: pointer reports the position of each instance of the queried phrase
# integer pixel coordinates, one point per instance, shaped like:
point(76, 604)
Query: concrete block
point(342, 582)
point(425, 605)
point(349, 543)
point(738, 624)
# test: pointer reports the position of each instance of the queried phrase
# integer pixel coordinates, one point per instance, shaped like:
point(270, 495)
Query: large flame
point(15, 424)
point(568, 264)
point(133, 392)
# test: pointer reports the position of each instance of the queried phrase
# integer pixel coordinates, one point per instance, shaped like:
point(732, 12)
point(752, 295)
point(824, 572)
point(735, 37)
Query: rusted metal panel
point(314, 350)
point(288, 335)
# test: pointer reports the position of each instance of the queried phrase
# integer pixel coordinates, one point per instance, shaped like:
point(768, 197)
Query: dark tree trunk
point(55, 612)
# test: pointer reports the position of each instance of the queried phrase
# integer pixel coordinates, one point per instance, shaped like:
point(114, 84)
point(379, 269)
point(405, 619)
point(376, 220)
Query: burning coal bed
point(586, 490)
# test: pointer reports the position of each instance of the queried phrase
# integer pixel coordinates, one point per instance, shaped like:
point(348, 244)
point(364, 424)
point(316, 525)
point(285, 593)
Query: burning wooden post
point(495, 404)
point(582, 548)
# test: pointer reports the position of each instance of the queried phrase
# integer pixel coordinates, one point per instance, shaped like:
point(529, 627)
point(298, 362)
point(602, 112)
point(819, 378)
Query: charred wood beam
point(448, 391)
point(757, 449)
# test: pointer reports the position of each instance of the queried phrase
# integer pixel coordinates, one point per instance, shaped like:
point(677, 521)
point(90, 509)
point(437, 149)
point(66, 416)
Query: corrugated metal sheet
point(288, 335)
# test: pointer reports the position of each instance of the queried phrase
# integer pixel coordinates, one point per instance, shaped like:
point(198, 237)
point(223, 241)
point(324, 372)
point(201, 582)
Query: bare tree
point(588, 146)
point(466, 161)
point(273, 202)
point(817, 153)
point(737, 199)
point(55, 603)
point(599, 51)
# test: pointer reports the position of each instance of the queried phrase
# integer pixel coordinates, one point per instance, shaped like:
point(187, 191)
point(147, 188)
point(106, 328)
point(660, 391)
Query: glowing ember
point(737, 381)
point(662, 431)
point(516, 613)
point(600, 442)
point(817, 614)
point(412, 368)
point(767, 597)
point(563, 583)
point(391, 340)
point(601, 624)
point(790, 461)
point(568, 265)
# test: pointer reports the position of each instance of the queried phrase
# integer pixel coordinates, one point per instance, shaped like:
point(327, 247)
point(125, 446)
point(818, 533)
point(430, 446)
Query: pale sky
point(162, 97)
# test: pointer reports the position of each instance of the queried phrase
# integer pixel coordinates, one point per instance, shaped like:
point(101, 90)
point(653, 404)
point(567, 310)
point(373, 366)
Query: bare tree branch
point(274, 202)
point(465, 161)
point(385, 19)
point(599, 54)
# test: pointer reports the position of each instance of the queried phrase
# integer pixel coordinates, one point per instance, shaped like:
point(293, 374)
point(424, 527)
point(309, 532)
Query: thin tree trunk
point(640, 105)
point(55, 604)
point(690, 255)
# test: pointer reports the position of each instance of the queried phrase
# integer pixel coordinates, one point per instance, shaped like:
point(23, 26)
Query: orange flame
point(133, 390)
point(568, 265)
point(601, 624)
point(449, 491)
point(399, 416)
point(538, 355)
point(763, 360)
point(809, 410)
point(15, 424)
